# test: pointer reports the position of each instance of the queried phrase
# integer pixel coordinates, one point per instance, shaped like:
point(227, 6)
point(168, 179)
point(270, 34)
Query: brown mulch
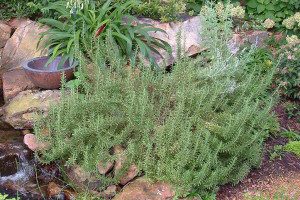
point(281, 174)
point(284, 121)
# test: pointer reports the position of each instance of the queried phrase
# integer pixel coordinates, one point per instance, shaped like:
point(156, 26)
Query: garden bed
point(144, 120)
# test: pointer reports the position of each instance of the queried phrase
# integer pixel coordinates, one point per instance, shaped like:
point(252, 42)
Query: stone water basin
point(48, 75)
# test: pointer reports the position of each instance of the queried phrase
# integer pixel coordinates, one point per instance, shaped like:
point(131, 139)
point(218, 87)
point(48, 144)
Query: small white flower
point(204, 10)
point(289, 23)
point(219, 8)
point(292, 40)
point(269, 23)
point(238, 12)
point(297, 17)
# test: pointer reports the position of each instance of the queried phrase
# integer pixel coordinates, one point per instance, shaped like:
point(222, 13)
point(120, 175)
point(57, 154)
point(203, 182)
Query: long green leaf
point(53, 23)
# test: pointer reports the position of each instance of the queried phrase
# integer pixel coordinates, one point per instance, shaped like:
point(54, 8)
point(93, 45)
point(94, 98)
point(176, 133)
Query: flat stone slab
point(23, 110)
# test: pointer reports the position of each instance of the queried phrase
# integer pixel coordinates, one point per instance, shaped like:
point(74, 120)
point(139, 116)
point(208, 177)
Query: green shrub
point(293, 147)
point(15, 8)
point(196, 127)
point(156, 9)
point(23, 8)
point(276, 10)
point(263, 59)
point(163, 10)
point(291, 135)
point(288, 75)
point(292, 110)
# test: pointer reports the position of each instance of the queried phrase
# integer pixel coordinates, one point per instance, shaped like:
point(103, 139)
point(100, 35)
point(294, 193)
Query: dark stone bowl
point(48, 77)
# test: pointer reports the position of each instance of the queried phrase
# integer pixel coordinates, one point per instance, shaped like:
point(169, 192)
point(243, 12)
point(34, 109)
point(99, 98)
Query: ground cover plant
point(198, 127)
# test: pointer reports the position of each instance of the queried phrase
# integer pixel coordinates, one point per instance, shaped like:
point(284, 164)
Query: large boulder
point(22, 111)
point(14, 82)
point(22, 45)
point(142, 189)
point(5, 32)
point(188, 31)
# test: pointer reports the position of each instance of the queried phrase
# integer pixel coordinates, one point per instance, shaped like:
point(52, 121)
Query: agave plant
point(110, 21)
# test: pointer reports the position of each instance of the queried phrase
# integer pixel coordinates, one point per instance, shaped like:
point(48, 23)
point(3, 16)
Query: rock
point(33, 144)
point(278, 36)
point(257, 37)
point(82, 179)
point(22, 45)
point(5, 126)
point(235, 43)
point(17, 22)
point(119, 152)
point(110, 192)
point(13, 157)
point(1, 51)
point(132, 172)
point(27, 106)
point(142, 189)
point(25, 132)
point(53, 190)
point(14, 82)
point(190, 37)
point(130, 175)
point(105, 168)
point(5, 32)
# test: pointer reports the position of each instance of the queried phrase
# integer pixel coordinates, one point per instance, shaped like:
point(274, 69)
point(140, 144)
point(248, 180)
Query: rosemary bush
point(196, 127)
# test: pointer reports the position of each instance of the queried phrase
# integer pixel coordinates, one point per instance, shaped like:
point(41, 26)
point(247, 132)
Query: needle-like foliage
point(198, 127)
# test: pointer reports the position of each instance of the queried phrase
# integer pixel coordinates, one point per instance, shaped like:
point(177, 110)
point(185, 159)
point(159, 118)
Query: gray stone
point(188, 31)
point(257, 38)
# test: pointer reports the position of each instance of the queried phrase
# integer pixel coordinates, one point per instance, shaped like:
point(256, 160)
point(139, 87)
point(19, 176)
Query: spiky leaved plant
point(82, 23)
point(196, 127)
